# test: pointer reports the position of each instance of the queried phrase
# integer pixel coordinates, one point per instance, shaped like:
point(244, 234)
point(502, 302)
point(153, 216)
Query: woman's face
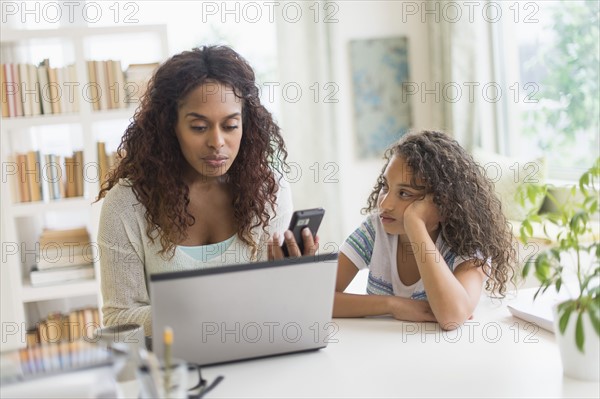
point(209, 130)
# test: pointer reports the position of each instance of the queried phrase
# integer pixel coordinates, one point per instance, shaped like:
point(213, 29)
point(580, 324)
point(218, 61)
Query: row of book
point(46, 177)
point(32, 90)
point(51, 360)
point(65, 327)
point(64, 255)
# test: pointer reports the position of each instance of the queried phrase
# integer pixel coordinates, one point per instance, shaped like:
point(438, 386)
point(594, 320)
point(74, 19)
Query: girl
point(434, 235)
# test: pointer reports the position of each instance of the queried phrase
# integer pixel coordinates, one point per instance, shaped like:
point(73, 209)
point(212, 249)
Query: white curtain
point(307, 119)
point(461, 59)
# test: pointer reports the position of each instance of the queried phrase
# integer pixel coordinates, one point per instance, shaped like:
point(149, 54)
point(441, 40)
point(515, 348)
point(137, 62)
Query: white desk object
point(492, 355)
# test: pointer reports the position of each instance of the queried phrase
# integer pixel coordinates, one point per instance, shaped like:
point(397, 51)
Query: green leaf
point(558, 284)
point(526, 228)
point(584, 181)
point(594, 317)
point(564, 319)
point(579, 337)
point(532, 194)
point(526, 268)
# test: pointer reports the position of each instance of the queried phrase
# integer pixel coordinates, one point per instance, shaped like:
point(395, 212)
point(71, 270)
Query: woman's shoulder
point(121, 194)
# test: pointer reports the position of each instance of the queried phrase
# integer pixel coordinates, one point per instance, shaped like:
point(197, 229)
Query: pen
point(168, 341)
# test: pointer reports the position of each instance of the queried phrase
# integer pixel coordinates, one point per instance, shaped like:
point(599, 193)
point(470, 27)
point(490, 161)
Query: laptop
point(245, 311)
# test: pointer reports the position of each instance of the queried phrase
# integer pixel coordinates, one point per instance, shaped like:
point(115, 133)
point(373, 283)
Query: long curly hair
point(473, 219)
point(153, 164)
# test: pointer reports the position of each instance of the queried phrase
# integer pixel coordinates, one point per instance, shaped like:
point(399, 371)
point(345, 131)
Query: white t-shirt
point(370, 246)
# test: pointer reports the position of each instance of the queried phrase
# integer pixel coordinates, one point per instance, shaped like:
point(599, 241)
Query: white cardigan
point(128, 256)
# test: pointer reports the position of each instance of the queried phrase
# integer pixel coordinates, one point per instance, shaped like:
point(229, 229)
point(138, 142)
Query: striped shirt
point(369, 246)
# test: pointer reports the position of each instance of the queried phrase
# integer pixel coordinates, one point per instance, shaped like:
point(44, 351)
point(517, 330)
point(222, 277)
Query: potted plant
point(575, 254)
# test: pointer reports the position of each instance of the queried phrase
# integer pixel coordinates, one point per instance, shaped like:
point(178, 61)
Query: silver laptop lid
point(246, 311)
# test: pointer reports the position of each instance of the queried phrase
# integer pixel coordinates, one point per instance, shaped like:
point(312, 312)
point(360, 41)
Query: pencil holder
point(171, 382)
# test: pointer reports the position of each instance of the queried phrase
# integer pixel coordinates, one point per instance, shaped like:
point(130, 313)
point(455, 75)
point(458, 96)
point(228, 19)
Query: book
point(52, 172)
point(42, 74)
point(78, 163)
point(72, 79)
point(17, 97)
point(10, 87)
point(70, 171)
point(24, 194)
point(26, 87)
point(31, 337)
point(111, 91)
point(60, 275)
point(36, 102)
point(62, 234)
point(54, 91)
point(136, 78)
point(119, 84)
point(93, 94)
point(46, 262)
point(102, 79)
point(3, 90)
point(102, 161)
point(32, 173)
point(63, 91)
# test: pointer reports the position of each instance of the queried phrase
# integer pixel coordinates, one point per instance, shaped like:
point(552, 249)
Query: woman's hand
point(310, 245)
point(422, 211)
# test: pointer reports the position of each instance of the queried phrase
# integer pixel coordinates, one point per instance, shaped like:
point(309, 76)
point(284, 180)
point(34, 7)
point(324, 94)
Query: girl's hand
point(422, 211)
point(410, 309)
point(310, 245)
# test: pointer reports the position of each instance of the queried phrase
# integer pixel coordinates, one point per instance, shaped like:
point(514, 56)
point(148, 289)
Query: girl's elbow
point(453, 321)
point(451, 324)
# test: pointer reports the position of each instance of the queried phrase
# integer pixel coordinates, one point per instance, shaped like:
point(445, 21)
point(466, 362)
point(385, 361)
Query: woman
point(199, 183)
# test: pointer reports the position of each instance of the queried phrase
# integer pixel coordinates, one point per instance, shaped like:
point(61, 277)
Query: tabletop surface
point(492, 355)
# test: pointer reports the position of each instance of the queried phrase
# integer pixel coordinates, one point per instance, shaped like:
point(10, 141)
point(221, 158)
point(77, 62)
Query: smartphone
point(310, 218)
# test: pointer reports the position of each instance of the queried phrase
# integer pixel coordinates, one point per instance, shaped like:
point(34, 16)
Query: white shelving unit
point(22, 222)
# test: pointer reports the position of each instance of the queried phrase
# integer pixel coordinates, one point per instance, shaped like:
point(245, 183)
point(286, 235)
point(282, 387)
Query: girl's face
point(209, 130)
point(397, 194)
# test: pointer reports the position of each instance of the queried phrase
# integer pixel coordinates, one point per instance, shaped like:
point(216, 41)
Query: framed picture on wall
point(382, 112)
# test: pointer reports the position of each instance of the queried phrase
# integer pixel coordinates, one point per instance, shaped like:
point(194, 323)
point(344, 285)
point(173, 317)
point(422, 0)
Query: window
point(549, 59)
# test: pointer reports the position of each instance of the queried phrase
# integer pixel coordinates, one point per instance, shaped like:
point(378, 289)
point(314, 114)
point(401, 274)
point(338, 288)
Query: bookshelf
point(77, 130)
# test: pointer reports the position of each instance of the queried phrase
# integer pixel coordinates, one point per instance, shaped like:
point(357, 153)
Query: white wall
point(362, 20)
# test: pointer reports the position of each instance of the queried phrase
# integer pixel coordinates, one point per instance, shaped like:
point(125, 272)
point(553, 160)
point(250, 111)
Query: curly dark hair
point(472, 213)
point(153, 163)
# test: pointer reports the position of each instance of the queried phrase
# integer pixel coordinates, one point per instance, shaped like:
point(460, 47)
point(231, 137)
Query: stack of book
point(65, 255)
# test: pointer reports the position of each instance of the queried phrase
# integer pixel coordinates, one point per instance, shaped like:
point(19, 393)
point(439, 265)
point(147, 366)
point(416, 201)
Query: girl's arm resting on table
point(352, 305)
point(452, 296)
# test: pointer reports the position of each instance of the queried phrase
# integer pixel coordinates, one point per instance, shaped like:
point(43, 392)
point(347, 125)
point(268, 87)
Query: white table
point(493, 355)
